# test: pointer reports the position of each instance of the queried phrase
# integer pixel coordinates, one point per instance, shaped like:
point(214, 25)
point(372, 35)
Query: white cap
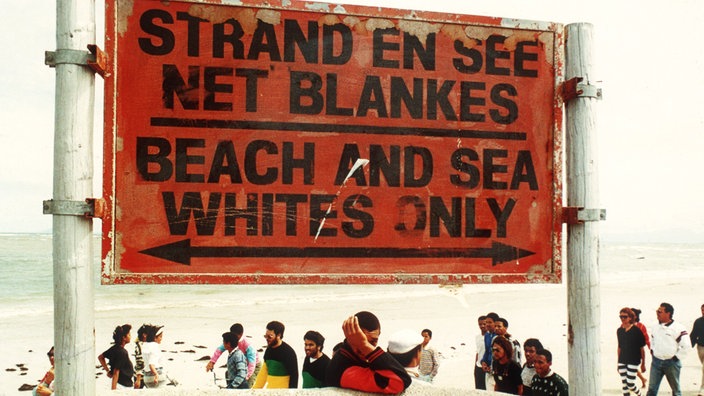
point(404, 340)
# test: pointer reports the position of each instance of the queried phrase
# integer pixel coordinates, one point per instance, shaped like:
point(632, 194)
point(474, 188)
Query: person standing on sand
point(280, 368)
point(668, 348)
point(530, 347)
point(631, 351)
point(545, 382)
point(236, 376)
point(506, 371)
point(429, 362)
point(501, 329)
point(644, 330)
point(697, 338)
point(253, 363)
point(360, 364)
point(120, 370)
point(479, 375)
point(315, 362)
point(489, 324)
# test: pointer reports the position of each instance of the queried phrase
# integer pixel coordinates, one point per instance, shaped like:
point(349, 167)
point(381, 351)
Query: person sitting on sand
point(46, 385)
point(155, 374)
point(138, 358)
point(360, 364)
point(121, 370)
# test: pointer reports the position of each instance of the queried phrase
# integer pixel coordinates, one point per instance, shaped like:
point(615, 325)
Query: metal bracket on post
point(91, 207)
point(573, 88)
point(577, 215)
point(94, 58)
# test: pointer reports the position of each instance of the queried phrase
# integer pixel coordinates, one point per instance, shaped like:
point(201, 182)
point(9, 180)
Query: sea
point(631, 274)
point(26, 274)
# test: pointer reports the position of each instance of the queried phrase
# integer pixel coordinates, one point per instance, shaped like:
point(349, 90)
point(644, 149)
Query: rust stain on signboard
point(419, 29)
point(125, 11)
point(456, 32)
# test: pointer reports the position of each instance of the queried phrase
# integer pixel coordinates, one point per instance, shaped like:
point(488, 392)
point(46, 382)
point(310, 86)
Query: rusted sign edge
point(109, 274)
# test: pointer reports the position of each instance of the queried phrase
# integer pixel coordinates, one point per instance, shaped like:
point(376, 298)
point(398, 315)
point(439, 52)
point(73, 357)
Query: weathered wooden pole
point(583, 299)
point(74, 338)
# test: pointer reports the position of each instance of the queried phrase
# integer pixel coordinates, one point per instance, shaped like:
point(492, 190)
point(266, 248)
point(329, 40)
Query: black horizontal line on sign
point(339, 128)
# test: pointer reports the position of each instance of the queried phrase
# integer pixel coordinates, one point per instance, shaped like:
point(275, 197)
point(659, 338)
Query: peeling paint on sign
point(297, 142)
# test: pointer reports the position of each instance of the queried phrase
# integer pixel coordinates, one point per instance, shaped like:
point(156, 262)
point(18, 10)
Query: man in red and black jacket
point(360, 364)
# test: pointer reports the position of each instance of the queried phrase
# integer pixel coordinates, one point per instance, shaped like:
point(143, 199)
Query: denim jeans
point(669, 368)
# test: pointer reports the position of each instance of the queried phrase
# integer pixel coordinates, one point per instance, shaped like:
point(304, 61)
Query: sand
point(193, 332)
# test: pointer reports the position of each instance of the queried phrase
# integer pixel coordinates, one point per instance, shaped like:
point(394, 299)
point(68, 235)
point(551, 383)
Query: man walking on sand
point(697, 338)
point(669, 346)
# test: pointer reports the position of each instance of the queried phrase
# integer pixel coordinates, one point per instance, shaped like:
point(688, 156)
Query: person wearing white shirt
point(668, 341)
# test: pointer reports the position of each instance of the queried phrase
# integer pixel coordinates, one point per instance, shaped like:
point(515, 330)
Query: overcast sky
point(650, 123)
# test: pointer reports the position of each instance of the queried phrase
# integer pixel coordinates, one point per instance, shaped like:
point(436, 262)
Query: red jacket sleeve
point(381, 374)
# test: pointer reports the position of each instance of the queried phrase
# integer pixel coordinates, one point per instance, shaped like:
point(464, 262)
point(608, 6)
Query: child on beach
point(236, 376)
point(253, 363)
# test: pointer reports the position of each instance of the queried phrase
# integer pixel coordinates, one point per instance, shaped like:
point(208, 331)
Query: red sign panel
point(317, 143)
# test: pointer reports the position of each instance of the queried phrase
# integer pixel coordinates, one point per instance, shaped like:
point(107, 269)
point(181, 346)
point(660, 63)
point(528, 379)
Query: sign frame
point(116, 228)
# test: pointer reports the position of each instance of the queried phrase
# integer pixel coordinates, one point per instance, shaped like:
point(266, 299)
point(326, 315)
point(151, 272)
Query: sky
point(650, 123)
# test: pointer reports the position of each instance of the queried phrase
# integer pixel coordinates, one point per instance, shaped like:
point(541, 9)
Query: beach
point(195, 316)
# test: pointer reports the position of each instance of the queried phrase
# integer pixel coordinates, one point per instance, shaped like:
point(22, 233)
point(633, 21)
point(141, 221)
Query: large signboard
point(299, 142)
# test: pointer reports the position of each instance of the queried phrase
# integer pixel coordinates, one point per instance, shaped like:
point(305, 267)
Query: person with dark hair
point(545, 382)
point(489, 324)
point(697, 338)
point(155, 374)
point(46, 385)
point(280, 367)
point(315, 363)
point(530, 347)
point(501, 329)
point(506, 372)
point(479, 374)
point(250, 353)
point(668, 348)
point(429, 362)
point(121, 370)
point(643, 330)
point(631, 351)
point(236, 376)
point(360, 364)
point(138, 357)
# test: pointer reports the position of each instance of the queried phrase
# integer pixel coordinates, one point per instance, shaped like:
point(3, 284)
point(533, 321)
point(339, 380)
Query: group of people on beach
point(668, 344)
point(359, 363)
point(498, 359)
point(356, 363)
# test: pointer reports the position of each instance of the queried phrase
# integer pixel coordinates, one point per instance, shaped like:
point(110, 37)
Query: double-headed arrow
point(182, 252)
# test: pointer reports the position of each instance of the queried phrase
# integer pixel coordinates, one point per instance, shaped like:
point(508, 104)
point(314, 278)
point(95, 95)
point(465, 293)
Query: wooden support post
point(74, 339)
point(583, 289)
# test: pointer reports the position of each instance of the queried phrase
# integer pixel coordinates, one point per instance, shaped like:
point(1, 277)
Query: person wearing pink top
point(253, 362)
